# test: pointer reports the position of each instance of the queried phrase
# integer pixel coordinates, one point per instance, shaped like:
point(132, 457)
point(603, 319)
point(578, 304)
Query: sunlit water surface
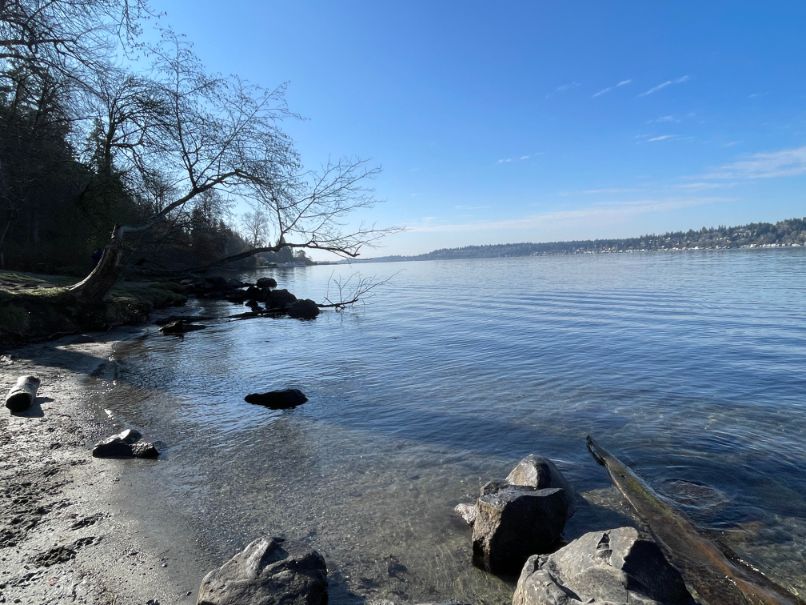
point(689, 366)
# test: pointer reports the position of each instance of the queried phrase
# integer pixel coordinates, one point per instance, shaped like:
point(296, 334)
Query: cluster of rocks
point(262, 297)
point(523, 515)
point(517, 528)
point(125, 444)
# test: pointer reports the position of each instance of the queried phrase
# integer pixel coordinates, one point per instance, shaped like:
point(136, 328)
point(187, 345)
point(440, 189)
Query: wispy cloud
point(604, 91)
point(563, 88)
point(600, 212)
point(663, 137)
point(766, 165)
point(666, 84)
point(520, 158)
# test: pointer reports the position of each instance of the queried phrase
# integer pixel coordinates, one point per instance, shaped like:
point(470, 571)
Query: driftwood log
point(22, 394)
point(713, 574)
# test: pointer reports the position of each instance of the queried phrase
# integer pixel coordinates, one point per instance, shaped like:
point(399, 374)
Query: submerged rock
point(616, 567)
point(180, 326)
point(269, 571)
point(467, 512)
point(278, 400)
point(515, 522)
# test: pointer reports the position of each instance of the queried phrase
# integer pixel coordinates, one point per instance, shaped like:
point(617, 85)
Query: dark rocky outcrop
point(279, 299)
point(616, 567)
point(278, 400)
point(514, 522)
point(265, 283)
point(269, 571)
point(125, 444)
point(303, 309)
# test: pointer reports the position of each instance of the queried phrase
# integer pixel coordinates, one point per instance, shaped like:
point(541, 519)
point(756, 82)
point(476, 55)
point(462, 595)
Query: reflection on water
point(690, 367)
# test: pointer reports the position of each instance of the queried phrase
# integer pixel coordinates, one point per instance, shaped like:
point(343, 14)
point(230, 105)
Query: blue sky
point(535, 121)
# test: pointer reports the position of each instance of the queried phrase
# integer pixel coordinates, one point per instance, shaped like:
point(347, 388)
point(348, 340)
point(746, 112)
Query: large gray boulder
point(541, 473)
point(269, 571)
point(613, 567)
point(514, 522)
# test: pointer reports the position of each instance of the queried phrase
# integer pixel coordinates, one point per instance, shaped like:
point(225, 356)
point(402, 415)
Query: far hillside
point(787, 233)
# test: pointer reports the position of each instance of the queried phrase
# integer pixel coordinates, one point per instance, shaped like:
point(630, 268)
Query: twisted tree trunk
point(97, 284)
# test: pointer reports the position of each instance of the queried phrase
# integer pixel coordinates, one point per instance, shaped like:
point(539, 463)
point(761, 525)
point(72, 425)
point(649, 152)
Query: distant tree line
point(791, 232)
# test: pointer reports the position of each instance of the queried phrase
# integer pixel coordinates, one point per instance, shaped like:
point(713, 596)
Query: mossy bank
point(37, 307)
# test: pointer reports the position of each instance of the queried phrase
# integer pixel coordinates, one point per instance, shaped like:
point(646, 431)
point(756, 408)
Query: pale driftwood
point(22, 394)
point(713, 574)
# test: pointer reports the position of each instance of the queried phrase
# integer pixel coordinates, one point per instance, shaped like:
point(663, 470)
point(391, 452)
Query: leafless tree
point(205, 133)
point(255, 225)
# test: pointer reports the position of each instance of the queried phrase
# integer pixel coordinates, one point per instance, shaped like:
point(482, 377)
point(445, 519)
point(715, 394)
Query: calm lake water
point(689, 366)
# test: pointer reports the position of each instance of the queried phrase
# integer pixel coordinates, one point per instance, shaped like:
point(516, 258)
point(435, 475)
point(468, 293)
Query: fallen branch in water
point(351, 291)
point(714, 575)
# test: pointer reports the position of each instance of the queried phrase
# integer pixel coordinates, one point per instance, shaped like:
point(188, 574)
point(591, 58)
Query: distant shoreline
point(790, 233)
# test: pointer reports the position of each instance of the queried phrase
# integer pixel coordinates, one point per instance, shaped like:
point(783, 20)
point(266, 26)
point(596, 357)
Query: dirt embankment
point(62, 540)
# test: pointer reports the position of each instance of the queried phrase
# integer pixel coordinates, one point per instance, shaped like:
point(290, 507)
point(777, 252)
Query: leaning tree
point(204, 133)
point(172, 133)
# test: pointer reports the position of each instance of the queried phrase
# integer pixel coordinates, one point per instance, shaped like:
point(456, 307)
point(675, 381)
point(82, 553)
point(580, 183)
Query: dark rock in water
point(124, 445)
point(266, 282)
point(303, 309)
point(278, 400)
point(279, 299)
point(253, 293)
point(541, 473)
point(180, 326)
point(234, 284)
point(615, 567)
point(269, 571)
point(515, 522)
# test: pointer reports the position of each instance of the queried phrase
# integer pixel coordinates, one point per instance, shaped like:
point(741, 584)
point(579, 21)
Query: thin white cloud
point(662, 137)
point(610, 88)
point(662, 85)
point(563, 88)
point(521, 158)
point(611, 212)
point(668, 119)
point(766, 165)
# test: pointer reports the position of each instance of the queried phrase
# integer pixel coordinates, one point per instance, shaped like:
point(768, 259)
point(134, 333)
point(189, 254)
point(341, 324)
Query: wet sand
point(63, 535)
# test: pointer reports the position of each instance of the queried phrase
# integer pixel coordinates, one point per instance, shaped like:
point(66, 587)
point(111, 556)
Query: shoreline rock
point(616, 566)
point(269, 571)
